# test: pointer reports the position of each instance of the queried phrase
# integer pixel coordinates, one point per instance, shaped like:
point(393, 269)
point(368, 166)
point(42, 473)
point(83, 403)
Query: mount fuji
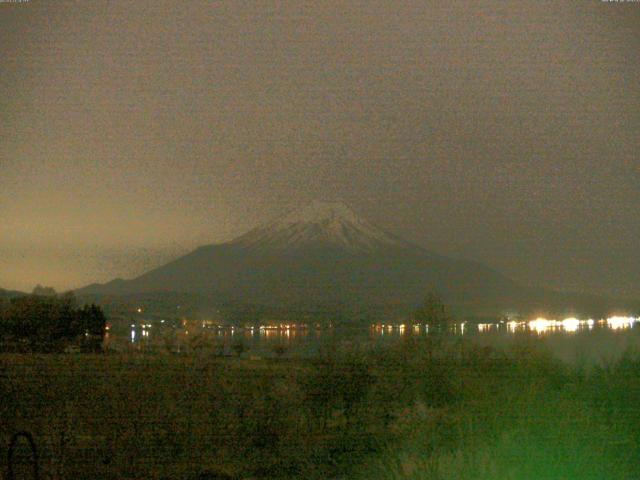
point(324, 257)
point(327, 224)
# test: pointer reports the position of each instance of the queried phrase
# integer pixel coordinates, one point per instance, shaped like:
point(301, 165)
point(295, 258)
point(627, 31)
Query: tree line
point(50, 322)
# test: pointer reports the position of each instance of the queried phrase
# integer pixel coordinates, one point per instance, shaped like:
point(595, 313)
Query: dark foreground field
point(422, 409)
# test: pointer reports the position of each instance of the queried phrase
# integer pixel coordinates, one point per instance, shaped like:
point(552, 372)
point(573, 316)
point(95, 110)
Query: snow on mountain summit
point(319, 223)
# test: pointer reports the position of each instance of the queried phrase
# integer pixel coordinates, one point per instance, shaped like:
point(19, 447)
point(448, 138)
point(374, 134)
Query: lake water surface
point(570, 339)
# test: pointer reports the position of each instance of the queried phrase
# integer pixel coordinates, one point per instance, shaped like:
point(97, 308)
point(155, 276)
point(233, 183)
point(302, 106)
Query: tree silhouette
point(44, 291)
point(279, 349)
point(239, 347)
point(49, 323)
point(94, 322)
point(432, 311)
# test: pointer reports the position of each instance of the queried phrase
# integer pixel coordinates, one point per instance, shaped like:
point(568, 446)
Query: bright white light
point(570, 324)
point(511, 326)
point(541, 325)
point(620, 323)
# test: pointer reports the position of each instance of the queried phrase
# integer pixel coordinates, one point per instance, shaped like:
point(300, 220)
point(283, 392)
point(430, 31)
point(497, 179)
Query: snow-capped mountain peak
point(319, 224)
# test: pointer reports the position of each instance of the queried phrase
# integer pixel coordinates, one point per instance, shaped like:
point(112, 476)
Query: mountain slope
point(319, 223)
point(10, 293)
point(324, 256)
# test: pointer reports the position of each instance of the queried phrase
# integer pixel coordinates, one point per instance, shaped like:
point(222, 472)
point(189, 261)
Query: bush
point(50, 323)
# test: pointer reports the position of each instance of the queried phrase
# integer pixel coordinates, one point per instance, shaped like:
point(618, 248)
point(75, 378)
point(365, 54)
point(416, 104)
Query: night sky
point(505, 132)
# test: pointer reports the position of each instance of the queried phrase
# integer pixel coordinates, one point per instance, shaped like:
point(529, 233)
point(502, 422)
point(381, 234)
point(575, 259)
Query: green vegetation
point(49, 323)
point(433, 311)
point(423, 408)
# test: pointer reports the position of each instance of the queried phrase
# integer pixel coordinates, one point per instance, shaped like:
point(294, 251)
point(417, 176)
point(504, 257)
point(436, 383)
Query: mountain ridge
point(7, 294)
point(324, 255)
point(330, 223)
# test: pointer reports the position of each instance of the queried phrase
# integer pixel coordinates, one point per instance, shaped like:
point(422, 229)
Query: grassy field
point(421, 409)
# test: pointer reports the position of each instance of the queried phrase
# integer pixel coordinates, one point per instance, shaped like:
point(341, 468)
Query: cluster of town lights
point(571, 324)
point(539, 325)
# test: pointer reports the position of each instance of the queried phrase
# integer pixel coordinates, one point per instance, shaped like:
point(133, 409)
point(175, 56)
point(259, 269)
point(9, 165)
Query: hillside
point(323, 256)
point(10, 293)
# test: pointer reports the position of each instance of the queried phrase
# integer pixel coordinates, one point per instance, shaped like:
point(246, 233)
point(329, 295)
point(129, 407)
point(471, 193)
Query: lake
point(571, 340)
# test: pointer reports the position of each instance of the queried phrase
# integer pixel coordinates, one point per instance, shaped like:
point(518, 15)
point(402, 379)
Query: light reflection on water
point(600, 337)
point(621, 323)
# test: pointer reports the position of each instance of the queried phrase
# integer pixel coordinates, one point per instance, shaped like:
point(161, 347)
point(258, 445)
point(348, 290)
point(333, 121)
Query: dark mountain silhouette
point(10, 293)
point(324, 256)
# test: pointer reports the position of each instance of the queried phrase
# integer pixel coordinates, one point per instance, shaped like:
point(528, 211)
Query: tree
point(354, 383)
point(432, 311)
point(48, 323)
point(279, 349)
point(92, 322)
point(319, 389)
point(238, 347)
point(43, 291)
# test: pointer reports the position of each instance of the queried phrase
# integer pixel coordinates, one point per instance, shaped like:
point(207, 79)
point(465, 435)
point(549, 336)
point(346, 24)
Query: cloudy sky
point(506, 132)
